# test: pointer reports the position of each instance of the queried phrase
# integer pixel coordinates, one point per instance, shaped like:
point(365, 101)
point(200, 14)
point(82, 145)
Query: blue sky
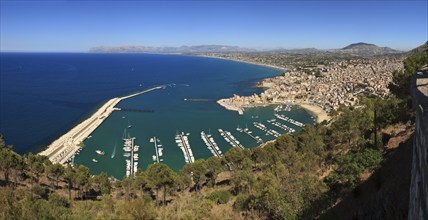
point(79, 25)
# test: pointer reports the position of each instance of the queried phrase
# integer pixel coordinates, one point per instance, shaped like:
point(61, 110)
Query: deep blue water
point(43, 95)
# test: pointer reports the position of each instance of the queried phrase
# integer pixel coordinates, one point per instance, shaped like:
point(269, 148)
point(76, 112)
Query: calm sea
point(43, 95)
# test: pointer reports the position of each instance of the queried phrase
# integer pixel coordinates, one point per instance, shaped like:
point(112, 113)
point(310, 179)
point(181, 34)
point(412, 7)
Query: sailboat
point(129, 125)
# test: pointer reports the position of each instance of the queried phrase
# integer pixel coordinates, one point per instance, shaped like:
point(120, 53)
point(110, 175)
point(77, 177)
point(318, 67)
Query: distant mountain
point(365, 49)
point(359, 49)
point(298, 51)
point(420, 49)
point(182, 49)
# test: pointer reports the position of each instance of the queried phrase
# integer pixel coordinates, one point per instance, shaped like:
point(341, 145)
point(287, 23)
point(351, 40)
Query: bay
point(43, 95)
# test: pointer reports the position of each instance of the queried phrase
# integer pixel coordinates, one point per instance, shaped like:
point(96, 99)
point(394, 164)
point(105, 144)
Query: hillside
point(419, 50)
point(365, 49)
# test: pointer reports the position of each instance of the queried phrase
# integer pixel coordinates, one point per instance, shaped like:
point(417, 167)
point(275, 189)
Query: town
point(321, 80)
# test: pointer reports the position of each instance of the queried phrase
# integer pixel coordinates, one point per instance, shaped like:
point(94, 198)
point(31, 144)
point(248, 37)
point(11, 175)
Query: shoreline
point(64, 147)
point(319, 113)
point(247, 62)
point(316, 111)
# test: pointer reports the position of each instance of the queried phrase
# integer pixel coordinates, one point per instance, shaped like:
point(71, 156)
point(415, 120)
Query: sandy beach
point(319, 113)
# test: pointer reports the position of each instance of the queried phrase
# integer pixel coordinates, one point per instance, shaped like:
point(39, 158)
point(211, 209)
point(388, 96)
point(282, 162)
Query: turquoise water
point(43, 95)
point(186, 116)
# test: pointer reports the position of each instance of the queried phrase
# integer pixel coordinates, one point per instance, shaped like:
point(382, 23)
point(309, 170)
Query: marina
point(230, 139)
point(211, 144)
point(182, 141)
point(249, 133)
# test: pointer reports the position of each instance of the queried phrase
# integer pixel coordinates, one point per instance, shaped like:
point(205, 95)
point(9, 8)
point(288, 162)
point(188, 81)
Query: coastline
point(243, 61)
point(316, 111)
point(319, 113)
point(63, 148)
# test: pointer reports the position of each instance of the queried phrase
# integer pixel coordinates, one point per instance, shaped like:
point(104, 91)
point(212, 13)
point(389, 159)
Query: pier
point(282, 126)
point(289, 120)
point(273, 132)
point(249, 133)
point(260, 126)
point(65, 147)
point(211, 144)
point(265, 129)
point(136, 110)
point(182, 141)
point(131, 164)
point(158, 149)
point(230, 139)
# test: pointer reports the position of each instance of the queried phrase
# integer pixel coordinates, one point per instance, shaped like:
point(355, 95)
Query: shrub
point(220, 196)
point(58, 201)
point(241, 202)
point(41, 191)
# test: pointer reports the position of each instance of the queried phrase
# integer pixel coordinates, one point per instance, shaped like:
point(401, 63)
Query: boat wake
point(114, 151)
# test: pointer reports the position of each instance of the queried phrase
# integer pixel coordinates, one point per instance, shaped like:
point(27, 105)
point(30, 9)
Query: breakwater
point(62, 149)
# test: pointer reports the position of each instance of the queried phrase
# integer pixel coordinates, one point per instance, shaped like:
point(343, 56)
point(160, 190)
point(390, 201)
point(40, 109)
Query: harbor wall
point(418, 199)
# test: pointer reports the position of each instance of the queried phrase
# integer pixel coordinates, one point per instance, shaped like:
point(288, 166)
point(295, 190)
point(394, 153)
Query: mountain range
point(363, 49)
point(182, 49)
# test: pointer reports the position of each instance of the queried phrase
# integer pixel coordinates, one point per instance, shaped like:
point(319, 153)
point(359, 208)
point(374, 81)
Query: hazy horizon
point(77, 26)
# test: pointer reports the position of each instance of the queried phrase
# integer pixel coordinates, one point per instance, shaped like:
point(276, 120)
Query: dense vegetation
point(296, 176)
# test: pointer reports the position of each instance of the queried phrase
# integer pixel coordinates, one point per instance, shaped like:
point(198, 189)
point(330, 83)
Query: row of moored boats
point(289, 120)
point(182, 140)
point(228, 137)
point(211, 144)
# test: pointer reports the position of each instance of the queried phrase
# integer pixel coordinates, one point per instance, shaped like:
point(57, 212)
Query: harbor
point(153, 136)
